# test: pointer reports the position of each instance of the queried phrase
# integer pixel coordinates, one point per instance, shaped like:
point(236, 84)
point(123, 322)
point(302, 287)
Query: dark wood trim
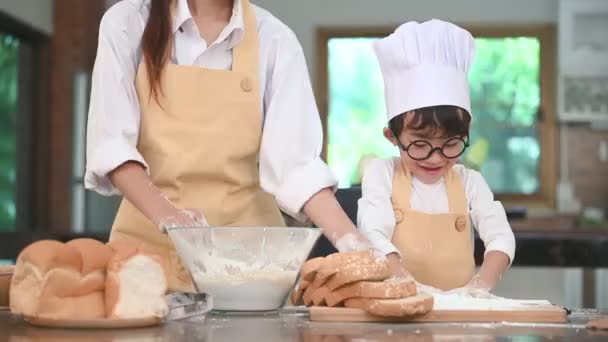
point(25, 129)
point(42, 143)
point(545, 197)
point(72, 51)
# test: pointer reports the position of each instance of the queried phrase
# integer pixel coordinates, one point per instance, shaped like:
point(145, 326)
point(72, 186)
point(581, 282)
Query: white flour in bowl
point(236, 286)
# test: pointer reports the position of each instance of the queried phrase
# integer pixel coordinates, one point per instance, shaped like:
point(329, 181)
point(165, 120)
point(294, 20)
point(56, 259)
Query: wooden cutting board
point(536, 314)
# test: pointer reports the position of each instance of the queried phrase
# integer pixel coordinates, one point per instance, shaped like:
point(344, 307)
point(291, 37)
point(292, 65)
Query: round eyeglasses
point(422, 149)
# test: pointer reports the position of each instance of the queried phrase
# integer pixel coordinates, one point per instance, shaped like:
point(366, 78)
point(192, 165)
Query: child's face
point(431, 169)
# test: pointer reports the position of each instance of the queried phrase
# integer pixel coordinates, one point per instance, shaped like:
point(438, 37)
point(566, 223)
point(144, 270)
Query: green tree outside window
point(9, 46)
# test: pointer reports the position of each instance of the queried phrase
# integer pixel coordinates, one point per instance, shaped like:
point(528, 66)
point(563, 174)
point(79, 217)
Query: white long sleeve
point(290, 164)
point(376, 217)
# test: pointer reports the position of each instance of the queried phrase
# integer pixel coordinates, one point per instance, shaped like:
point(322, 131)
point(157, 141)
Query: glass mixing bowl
point(244, 268)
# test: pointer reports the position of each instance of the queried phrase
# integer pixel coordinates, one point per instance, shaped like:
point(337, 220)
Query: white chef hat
point(425, 64)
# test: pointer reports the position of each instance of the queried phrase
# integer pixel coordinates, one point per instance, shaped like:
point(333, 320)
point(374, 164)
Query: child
point(418, 209)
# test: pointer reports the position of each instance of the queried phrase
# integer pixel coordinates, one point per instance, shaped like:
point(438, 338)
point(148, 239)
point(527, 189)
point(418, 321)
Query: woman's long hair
point(156, 42)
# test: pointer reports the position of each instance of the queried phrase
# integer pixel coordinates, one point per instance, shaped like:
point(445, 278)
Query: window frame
point(546, 126)
point(32, 138)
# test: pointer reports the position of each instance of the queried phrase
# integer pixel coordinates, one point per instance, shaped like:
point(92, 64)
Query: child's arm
point(490, 220)
point(375, 217)
point(495, 263)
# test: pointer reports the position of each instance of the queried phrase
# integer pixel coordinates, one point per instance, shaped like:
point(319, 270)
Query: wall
point(587, 171)
point(36, 13)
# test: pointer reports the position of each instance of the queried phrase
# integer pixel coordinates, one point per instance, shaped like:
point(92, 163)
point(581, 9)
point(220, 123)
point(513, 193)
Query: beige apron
point(202, 144)
point(437, 249)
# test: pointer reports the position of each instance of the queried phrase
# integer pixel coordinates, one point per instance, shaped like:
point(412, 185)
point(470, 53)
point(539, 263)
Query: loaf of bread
point(49, 282)
point(70, 281)
point(359, 280)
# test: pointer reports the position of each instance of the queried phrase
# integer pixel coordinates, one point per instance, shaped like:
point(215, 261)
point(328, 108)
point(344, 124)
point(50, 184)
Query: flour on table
point(457, 301)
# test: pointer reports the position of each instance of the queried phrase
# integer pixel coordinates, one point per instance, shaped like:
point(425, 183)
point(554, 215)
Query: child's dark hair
point(448, 121)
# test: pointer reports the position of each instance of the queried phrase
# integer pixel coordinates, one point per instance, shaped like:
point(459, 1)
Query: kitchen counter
point(295, 326)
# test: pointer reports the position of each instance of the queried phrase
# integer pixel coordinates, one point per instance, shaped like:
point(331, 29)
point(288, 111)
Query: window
point(23, 63)
point(9, 46)
point(512, 103)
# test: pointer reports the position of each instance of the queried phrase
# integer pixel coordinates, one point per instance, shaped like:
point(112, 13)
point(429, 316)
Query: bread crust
point(402, 307)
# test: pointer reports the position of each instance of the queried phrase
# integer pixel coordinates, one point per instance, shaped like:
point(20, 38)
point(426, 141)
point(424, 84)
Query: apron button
point(461, 224)
point(246, 85)
point(399, 216)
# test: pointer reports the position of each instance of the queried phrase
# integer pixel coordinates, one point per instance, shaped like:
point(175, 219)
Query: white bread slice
point(389, 288)
point(307, 295)
point(310, 267)
point(319, 295)
point(365, 269)
point(402, 307)
point(135, 284)
point(336, 261)
point(342, 264)
point(298, 291)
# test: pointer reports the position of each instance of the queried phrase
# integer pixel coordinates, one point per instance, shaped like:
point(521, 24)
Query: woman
point(205, 104)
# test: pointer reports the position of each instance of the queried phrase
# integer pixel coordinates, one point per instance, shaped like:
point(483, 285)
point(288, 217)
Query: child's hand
point(422, 288)
point(477, 288)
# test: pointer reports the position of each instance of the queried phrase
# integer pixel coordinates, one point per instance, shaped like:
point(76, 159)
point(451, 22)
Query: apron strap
point(457, 198)
point(402, 186)
point(245, 54)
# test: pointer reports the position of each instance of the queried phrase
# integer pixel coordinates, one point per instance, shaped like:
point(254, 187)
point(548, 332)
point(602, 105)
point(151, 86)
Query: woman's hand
point(396, 265)
point(137, 187)
point(183, 218)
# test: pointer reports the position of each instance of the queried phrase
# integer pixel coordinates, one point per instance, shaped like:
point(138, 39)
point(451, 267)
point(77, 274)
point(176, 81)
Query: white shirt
point(376, 218)
point(290, 165)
